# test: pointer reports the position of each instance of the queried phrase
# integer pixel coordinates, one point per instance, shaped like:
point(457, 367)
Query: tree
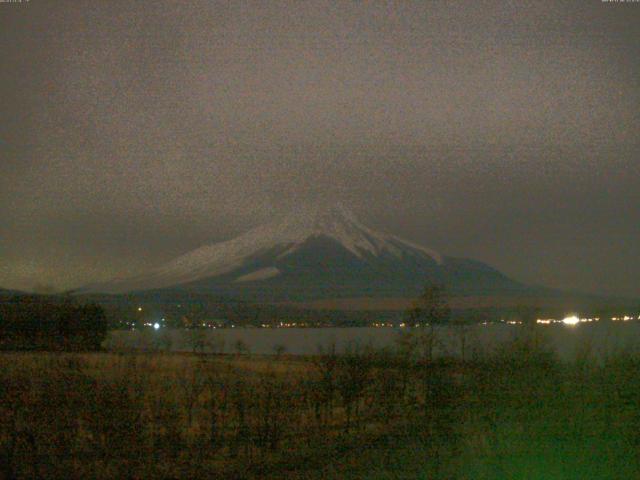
point(193, 384)
point(527, 315)
point(431, 308)
point(91, 326)
point(241, 347)
point(463, 328)
point(323, 390)
point(279, 350)
point(51, 323)
point(352, 379)
point(198, 340)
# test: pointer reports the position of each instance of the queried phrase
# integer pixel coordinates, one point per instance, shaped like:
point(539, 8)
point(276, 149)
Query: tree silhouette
point(431, 308)
point(51, 323)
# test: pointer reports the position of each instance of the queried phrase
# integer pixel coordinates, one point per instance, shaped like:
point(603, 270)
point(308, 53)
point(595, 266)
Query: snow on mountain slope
point(261, 274)
point(284, 237)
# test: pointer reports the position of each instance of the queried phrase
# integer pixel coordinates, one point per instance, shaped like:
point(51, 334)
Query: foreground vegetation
point(36, 322)
point(515, 413)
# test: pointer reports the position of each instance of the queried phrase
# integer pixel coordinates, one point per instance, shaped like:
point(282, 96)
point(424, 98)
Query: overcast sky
point(504, 131)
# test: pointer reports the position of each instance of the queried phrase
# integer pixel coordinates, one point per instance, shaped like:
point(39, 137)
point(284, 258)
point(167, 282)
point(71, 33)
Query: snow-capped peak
point(286, 235)
point(341, 225)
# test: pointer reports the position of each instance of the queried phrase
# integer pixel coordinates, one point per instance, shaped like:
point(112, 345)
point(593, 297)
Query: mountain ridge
point(314, 253)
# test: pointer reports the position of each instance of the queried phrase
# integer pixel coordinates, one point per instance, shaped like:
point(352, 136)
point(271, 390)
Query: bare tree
point(326, 364)
point(192, 382)
point(217, 385)
point(241, 347)
point(354, 369)
point(463, 328)
point(198, 340)
point(279, 350)
point(431, 308)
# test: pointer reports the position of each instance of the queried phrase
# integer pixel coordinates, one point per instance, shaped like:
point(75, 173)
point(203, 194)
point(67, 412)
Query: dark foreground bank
point(393, 413)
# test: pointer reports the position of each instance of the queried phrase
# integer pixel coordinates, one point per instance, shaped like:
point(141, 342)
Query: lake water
point(600, 339)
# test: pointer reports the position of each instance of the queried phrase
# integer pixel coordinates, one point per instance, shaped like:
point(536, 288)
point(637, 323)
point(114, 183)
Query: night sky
point(503, 131)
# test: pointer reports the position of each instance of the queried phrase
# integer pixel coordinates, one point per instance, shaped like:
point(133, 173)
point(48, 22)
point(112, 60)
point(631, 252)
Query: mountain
point(9, 293)
point(315, 254)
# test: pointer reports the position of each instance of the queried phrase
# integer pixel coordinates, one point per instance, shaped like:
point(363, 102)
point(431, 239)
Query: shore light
point(571, 320)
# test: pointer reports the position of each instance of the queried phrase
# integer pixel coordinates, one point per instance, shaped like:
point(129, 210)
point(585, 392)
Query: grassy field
point(516, 413)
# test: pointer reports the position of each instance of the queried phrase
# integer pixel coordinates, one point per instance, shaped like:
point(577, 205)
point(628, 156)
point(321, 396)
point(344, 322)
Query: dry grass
point(516, 413)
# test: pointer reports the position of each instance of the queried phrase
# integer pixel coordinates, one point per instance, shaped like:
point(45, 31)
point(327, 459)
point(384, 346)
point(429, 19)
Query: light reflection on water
point(568, 341)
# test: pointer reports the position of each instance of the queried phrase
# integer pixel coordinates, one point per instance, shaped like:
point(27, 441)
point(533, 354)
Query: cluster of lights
point(626, 318)
point(575, 320)
point(568, 320)
point(156, 326)
point(392, 325)
point(211, 325)
point(546, 321)
point(285, 325)
point(291, 324)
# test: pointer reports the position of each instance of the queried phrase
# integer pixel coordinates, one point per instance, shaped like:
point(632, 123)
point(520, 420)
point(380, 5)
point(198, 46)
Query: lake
point(600, 339)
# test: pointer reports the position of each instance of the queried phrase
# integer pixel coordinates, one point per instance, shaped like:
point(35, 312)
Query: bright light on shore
point(156, 326)
point(545, 321)
point(572, 320)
